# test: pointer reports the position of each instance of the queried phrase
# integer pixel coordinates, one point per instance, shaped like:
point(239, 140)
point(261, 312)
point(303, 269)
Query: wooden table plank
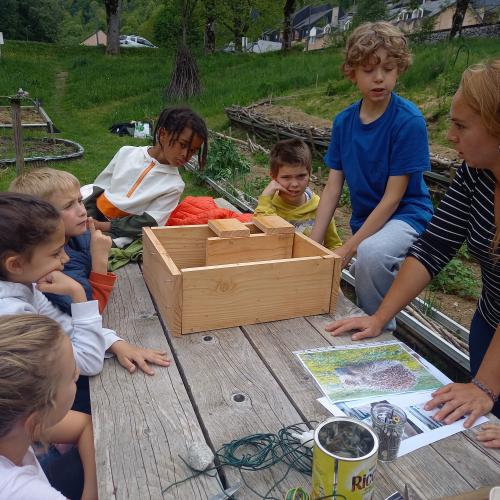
point(221, 366)
point(142, 423)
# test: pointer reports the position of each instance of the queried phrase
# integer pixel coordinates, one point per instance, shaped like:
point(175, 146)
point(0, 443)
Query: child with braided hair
point(141, 186)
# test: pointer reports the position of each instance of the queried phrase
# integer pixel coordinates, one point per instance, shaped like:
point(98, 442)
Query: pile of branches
point(185, 80)
point(318, 138)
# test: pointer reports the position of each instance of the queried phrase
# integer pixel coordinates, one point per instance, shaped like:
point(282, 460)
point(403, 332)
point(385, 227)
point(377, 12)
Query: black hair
point(175, 120)
point(25, 222)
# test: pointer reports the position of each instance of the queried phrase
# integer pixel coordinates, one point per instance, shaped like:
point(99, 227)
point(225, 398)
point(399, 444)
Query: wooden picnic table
point(227, 384)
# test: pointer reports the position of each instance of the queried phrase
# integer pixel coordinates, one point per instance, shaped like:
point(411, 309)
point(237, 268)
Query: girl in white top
point(141, 186)
point(37, 388)
point(32, 258)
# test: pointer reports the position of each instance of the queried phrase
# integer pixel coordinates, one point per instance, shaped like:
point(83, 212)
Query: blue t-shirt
point(394, 144)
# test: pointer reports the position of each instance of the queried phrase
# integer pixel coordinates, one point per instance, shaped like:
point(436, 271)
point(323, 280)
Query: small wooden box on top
point(227, 273)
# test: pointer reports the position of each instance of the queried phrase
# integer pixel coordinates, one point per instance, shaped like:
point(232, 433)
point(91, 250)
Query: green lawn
point(84, 91)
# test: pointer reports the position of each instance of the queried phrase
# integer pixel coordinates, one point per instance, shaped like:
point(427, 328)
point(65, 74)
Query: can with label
point(344, 460)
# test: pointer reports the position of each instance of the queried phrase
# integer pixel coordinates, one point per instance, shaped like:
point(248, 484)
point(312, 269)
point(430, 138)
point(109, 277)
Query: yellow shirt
point(302, 217)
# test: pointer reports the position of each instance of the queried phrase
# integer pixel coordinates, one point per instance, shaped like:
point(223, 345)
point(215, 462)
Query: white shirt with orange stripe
point(134, 183)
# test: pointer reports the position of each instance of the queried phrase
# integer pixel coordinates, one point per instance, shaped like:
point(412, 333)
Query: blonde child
point(379, 147)
point(86, 246)
point(37, 387)
point(32, 258)
point(288, 194)
point(142, 185)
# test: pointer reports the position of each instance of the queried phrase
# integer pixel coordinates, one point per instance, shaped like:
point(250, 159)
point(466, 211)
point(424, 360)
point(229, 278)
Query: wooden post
point(15, 103)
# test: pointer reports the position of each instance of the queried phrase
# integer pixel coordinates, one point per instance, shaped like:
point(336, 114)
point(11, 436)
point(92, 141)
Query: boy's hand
point(130, 355)
point(489, 435)
point(100, 244)
point(102, 225)
point(273, 187)
point(60, 284)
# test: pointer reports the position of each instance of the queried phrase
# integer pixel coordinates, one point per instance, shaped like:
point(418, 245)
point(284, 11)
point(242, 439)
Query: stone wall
point(477, 31)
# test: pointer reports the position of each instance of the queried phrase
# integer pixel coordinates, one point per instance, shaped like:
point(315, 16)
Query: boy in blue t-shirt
point(379, 147)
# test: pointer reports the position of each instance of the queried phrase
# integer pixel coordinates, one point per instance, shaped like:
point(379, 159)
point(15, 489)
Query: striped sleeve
point(447, 229)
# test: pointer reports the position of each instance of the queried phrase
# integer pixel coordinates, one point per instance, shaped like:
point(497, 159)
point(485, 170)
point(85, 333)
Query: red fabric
point(199, 210)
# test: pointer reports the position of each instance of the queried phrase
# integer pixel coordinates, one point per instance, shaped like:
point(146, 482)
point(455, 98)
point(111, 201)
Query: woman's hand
point(367, 326)
point(458, 400)
point(489, 435)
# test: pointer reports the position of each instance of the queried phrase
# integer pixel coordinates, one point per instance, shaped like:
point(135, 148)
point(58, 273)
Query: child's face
point(180, 151)
point(46, 258)
point(67, 375)
point(376, 81)
point(295, 179)
point(72, 210)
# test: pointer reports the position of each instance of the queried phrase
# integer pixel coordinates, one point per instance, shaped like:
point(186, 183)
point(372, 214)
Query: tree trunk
point(113, 20)
point(458, 18)
point(287, 25)
point(210, 26)
point(210, 36)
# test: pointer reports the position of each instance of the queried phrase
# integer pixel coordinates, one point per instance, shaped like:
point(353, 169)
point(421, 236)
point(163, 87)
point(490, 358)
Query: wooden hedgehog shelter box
point(227, 274)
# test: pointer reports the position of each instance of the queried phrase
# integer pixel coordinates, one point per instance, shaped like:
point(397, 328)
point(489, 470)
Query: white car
point(135, 41)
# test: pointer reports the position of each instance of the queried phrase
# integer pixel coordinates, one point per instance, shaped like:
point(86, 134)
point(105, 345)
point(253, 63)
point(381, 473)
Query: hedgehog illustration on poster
point(357, 371)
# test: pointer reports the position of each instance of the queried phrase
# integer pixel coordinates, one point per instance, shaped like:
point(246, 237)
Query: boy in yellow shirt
point(288, 194)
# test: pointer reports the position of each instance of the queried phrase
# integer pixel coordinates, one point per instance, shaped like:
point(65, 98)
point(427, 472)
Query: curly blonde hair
point(29, 344)
point(367, 38)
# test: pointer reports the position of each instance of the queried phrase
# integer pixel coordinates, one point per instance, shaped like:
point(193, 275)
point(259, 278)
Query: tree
point(185, 80)
point(458, 18)
point(287, 24)
point(113, 23)
point(369, 10)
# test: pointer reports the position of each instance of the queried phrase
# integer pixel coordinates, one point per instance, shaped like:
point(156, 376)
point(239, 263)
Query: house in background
point(439, 11)
point(97, 38)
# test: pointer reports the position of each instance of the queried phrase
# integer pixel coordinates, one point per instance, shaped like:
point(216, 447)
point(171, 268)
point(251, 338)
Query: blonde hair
point(44, 183)
point(28, 381)
point(480, 87)
point(367, 38)
point(290, 152)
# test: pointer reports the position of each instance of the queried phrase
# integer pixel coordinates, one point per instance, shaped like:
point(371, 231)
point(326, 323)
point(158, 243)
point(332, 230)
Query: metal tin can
point(344, 460)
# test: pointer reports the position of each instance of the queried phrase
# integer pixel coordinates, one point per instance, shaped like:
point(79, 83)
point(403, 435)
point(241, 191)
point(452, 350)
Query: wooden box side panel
point(239, 294)
point(303, 246)
point(164, 281)
point(186, 245)
point(255, 248)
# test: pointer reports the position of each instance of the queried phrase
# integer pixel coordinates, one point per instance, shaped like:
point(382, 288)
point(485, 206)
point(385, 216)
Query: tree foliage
point(369, 10)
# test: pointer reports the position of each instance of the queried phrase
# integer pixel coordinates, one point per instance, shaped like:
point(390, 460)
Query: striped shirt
point(466, 213)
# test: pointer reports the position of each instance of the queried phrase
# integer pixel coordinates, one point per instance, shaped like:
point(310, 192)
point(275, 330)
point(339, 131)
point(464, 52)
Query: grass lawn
point(84, 91)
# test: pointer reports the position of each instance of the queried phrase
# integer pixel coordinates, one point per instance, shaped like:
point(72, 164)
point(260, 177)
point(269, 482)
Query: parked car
point(135, 41)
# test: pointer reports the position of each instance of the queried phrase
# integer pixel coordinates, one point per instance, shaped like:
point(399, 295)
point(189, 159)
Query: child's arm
point(84, 326)
point(394, 191)
point(265, 206)
point(100, 245)
point(328, 204)
point(76, 428)
point(102, 286)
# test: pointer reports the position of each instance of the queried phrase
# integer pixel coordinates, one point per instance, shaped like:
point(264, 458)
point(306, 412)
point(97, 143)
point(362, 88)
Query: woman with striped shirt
point(470, 211)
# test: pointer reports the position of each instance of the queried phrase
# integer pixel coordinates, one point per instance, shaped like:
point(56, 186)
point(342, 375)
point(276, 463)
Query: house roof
point(305, 15)
point(311, 20)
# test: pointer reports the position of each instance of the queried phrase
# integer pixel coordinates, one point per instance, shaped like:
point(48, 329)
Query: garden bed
point(40, 150)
